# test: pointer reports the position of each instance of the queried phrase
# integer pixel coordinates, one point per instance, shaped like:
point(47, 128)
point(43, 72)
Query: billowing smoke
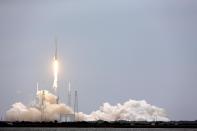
point(131, 110)
point(48, 109)
point(45, 108)
point(20, 112)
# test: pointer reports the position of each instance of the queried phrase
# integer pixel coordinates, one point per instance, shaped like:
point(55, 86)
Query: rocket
point(55, 57)
point(55, 68)
point(55, 83)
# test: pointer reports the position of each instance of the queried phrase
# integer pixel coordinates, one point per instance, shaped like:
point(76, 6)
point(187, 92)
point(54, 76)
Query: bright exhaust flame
point(55, 71)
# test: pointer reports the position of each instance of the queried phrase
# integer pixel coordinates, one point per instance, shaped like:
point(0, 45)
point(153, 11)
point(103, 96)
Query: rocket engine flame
point(55, 71)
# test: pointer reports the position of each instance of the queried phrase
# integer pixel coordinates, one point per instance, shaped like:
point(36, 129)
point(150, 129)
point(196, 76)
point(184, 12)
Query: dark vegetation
point(104, 124)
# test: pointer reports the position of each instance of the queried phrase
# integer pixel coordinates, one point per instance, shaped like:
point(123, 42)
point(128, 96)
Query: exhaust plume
point(131, 110)
point(52, 111)
point(55, 71)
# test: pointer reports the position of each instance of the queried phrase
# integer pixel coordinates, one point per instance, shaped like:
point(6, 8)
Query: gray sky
point(111, 50)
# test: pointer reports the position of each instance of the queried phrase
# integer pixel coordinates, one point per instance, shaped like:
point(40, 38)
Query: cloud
point(131, 110)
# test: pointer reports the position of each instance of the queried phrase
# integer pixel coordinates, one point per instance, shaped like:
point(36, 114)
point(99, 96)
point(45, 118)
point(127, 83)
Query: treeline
point(104, 124)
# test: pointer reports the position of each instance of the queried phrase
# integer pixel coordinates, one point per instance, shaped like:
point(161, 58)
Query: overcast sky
point(111, 50)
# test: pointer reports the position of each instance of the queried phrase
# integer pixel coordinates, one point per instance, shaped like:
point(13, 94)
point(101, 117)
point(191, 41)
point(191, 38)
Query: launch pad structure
point(63, 117)
point(70, 117)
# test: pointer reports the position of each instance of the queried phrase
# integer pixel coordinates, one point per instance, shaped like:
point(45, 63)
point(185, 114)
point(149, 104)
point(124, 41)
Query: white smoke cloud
point(20, 112)
point(52, 109)
point(131, 110)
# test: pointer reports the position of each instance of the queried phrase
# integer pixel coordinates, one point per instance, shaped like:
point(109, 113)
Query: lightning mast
point(69, 94)
point(43, 106)
point(37, 88)
point(76, 107)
